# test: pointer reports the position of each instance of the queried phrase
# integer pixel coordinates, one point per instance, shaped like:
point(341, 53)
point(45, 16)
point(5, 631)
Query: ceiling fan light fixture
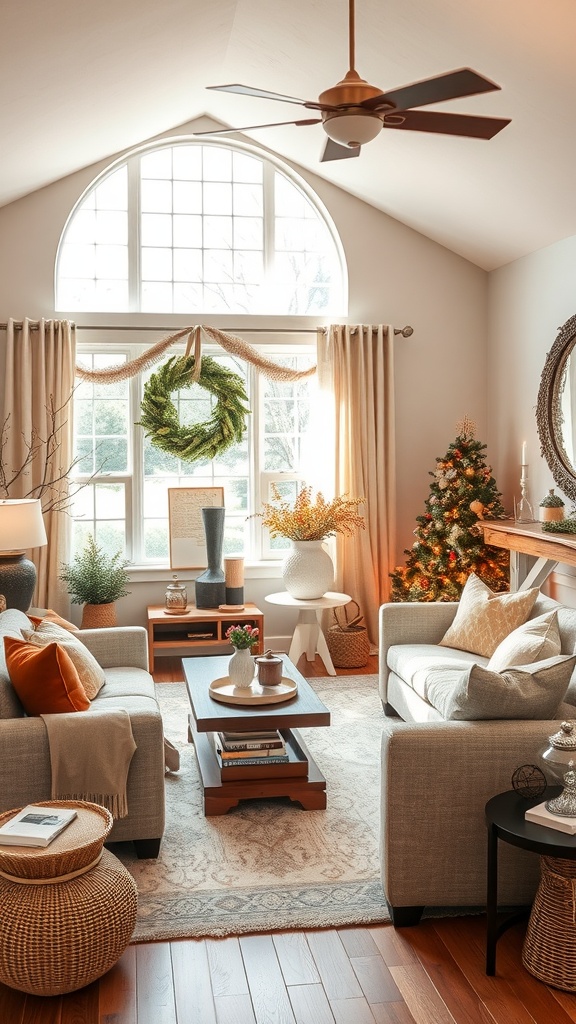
point(352, 130)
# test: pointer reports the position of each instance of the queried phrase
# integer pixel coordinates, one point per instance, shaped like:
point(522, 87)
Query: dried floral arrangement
point(311, 519)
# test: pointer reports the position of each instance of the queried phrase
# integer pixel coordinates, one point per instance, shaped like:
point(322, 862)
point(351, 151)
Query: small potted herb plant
point(96, 580)
point(551, 508)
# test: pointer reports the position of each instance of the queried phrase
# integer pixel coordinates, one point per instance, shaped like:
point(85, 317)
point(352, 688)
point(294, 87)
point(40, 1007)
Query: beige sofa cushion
point(535, 640)
point(524, 692)
point(91, 674)
point(483, 618)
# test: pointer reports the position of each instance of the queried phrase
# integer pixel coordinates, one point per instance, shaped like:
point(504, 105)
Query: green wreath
point(159, 417)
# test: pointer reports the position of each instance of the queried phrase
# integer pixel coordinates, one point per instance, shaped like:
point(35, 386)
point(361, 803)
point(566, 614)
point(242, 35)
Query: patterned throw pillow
point(483, 618)
point(90, 672)
point(44, 678)
point(536, 640)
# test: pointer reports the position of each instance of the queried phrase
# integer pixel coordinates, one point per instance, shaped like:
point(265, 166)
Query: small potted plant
point(97, 581)
point(551, 508)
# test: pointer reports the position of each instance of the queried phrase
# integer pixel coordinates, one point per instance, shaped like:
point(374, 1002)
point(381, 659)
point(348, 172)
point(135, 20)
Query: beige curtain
point(356, 382)
point(40, 360)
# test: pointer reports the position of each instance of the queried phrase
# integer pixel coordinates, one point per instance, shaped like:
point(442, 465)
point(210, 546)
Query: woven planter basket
point(347, 640)
point(68, 910)
point(549, 951)
point(98, 616)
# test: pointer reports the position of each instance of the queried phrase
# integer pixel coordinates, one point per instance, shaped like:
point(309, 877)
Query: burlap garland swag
point(159, 418)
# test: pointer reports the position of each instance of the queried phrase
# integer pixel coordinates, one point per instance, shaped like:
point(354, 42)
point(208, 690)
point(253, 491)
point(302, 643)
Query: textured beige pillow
point(525, 692)
point(483, 619)
point(91, 674)
point(536, 640)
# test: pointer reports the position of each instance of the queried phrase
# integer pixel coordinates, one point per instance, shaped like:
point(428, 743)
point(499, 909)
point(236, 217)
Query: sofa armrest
point(410, 622)
point(117, 646)
point(436, 780)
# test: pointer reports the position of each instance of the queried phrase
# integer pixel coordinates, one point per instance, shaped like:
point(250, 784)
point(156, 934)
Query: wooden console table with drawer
point(533, 553)
point(198, 627)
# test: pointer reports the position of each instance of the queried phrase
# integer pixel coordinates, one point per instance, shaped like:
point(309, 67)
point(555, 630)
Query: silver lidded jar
point(176, 597)
point(559, 762)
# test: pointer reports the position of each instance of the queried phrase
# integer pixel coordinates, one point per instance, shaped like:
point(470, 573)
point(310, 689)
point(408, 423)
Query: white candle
point(523, 462)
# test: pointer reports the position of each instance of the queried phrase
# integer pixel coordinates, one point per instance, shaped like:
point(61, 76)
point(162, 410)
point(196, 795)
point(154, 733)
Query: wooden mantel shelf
point(529, 540)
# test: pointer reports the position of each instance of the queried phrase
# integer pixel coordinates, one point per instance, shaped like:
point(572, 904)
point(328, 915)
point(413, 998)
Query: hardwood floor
point(430, 974)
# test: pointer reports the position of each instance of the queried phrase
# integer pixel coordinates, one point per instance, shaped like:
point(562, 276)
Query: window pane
point(156, 229)
point(187, 197)
point(217, 198)
point(187, 162)
point(156, 196)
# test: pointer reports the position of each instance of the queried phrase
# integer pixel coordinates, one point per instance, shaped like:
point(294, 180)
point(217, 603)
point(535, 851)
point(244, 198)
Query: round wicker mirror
point(556, 409)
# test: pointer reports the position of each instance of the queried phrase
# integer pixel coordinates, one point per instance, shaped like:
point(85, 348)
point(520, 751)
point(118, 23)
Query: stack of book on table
point(540, 815)
point(243, 755)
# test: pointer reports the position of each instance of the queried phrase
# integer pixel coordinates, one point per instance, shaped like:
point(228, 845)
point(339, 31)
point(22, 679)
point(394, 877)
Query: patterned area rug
point(267, 864)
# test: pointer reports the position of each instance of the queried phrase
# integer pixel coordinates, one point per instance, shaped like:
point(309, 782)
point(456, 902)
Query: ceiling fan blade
point(252, 127)
point(247, 90)
point(449, 86)
point(447, 124)
point(333, 151)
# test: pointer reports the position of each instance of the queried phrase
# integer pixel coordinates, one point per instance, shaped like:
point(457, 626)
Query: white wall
point(528, 301)
point(395, 276)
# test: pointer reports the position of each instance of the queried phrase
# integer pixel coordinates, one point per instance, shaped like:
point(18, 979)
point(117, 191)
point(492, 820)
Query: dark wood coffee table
point(308, 787)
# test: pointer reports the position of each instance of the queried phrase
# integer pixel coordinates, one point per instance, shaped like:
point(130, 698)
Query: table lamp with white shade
point(21, 528)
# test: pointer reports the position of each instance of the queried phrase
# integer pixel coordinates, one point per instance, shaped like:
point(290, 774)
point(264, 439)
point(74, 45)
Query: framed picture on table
point(186, 528)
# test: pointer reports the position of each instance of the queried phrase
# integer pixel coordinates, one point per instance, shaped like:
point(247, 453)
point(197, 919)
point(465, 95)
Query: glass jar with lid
point(176, 597)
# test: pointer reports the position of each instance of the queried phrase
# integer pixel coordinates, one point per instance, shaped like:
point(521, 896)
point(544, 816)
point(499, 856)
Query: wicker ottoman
point(549, 951)
point(68, 910)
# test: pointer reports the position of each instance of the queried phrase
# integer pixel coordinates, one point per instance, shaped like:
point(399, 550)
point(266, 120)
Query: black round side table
point(505, 820)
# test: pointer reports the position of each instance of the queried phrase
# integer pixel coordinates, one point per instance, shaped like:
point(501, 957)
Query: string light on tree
point(449, 542)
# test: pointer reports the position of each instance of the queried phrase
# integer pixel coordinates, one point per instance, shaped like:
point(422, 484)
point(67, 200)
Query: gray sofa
point(437, 775)
point(24, 752)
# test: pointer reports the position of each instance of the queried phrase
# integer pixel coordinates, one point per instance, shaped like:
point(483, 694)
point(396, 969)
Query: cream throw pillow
point(91, 674)
point(536, 640)
point(483, 618)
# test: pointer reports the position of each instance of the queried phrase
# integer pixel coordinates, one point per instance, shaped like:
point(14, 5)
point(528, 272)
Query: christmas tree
point(449, 544)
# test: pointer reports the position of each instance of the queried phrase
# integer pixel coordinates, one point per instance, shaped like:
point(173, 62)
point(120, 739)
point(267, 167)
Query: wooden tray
point(224, 691)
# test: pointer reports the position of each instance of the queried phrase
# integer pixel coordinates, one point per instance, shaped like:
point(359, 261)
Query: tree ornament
point(477, 508)
point(199, 441)
point(469, 471)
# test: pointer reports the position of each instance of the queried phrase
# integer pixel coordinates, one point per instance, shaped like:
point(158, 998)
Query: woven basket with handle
point(347, 639)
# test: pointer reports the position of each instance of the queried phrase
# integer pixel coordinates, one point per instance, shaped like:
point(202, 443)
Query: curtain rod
point(406, 332)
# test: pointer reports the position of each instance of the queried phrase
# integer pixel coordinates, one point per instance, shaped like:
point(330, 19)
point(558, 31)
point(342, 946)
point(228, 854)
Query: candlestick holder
point(523, 511)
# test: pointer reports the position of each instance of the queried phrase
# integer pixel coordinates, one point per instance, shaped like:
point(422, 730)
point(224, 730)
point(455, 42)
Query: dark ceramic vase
point(211, 584)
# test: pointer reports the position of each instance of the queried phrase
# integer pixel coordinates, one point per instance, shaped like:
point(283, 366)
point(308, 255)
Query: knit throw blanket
point(90, 754)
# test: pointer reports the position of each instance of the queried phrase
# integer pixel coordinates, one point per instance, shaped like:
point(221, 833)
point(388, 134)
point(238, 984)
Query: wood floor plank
point(154, 986)
point(11, 1004)
point(460, 997)
point(267, 989)
point(375, 979)
point(393, 946)
point(351, 1011)
point(42, 1010)
point(227, 972)
point(333, 965)
point(192, 988)
point(81, 1007)
point(358, 942)
point(310, 1005)
point(117, 991)
point(295, 958)
point(420, 995)
point(463, 941)
point(391, 1013)
point(233, 1010)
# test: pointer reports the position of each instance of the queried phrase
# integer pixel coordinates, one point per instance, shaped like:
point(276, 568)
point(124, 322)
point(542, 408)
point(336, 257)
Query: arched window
point(187, 227)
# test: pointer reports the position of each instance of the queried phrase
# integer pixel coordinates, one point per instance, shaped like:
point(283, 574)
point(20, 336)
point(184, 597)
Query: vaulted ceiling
point(80, 82)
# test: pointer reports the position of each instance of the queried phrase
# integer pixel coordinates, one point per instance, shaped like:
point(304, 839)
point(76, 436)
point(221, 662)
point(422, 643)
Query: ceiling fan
point(353, 112)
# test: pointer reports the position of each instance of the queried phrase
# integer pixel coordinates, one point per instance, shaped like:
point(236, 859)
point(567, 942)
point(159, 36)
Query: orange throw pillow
point(52, 616)
point(44, 678)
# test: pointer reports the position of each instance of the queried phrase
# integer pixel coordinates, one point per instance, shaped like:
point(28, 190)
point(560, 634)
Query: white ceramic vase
point(241, 668)
point(308, 571)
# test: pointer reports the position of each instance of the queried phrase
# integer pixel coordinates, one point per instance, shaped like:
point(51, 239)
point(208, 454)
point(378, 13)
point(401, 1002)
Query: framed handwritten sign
point(186, 528)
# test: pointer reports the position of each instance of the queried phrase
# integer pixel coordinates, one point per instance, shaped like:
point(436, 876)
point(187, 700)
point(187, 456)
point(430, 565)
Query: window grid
point(205, 228)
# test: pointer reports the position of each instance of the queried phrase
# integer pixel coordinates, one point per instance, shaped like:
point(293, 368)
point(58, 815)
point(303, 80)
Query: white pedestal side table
point(308, 636)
